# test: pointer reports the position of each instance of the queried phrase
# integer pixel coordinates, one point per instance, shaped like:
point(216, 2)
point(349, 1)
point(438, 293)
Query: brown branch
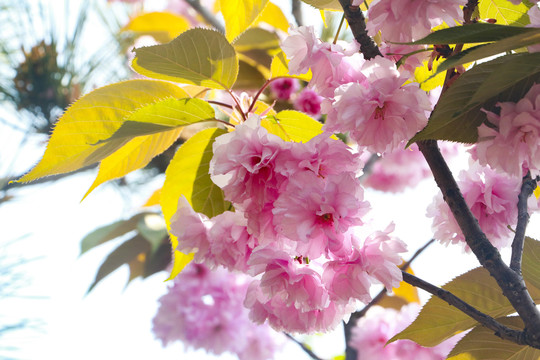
point(357, 23)
point(304, 347)
point(351, 353)
point(296, 7)
point(527, 187)
point(511, 284)
point(500, 330)
point(207, 15)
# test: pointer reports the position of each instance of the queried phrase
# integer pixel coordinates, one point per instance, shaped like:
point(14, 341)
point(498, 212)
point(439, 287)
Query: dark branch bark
point(511, 284)
point(297, 12)
point(350, 353)
point(357, 23)
point(304, 347)
point(527, 188)
point(207, 15)
point(499, 329)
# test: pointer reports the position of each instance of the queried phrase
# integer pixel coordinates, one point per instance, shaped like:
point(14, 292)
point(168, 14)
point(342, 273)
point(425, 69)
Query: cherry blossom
point(283, 88)
point(308, 101)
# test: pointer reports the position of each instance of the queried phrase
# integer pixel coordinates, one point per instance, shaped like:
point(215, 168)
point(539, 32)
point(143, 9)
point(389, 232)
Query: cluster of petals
point(408, 20)
point(297, 210)
point(283, 88)
point(309, 102)
point(379, 325)
point(204, 309)
point(492, 197)
point(380, 113)
point(512, 141)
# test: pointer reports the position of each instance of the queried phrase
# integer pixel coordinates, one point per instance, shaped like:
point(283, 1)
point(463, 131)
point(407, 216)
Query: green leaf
point(109, 232)
point(484, 51)
point(124, 254)
point(472, 33)
point(481, 343)
point(292, 125)
point(256, 38)
point(95, 117)
point(153, 228)
point(240, 14)
point(162, 116)
point(458, 112)
point(438, 321)
point(198, 56)
point(504, 12)
point(188, 175)
point(325, 4)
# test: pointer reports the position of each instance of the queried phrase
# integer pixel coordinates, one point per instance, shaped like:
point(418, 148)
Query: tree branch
point(527, 187)
point(500, 330)
point(351, 353)
point(207, 15)
point(357, 23)
point(511, 284)
point(304, 347)
point(296, 6)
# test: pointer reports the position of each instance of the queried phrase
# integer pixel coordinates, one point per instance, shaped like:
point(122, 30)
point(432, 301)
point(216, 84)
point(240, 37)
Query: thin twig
point(499, 329)
point(351, 353)
point(527, 187)
point(207, 15)
point(304, 347)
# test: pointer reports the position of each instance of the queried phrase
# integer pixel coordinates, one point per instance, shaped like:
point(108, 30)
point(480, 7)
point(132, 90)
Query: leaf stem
point(339, 28)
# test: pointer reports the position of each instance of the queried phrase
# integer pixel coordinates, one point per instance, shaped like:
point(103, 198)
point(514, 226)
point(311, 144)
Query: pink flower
point(282, 88)
point(243, 164)
point(513, 145)
point(308, 101)
point(230, 243)
point(380, 113)
point(191, 229)
point(492, 198)
point(408, 20)
point(379, 325)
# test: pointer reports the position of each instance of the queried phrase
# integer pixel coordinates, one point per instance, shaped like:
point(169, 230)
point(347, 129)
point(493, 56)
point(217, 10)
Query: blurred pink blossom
point(308, 101)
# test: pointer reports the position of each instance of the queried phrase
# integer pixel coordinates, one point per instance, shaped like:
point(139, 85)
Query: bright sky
point(114, 322)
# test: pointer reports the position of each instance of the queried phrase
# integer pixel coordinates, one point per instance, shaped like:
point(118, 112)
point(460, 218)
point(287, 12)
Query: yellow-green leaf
point(164, 115)
point(162, 26)
point(325, 4)
point(504, 12)
point(256, 38)
point(272, 15)
point(198, 56)
point(481, 344)
point(240, 14)
point(188, 175)
point(136, 154)
point(292, 125)
point(93, 118)
point(280, 68)
point(423, 76)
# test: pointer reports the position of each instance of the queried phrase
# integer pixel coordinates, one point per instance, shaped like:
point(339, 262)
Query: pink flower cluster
point(368, 99)
point(380, 325)
point(492, 198)
point(204, 309)
point(409, 20)
point(297, 210)
point(512, 141)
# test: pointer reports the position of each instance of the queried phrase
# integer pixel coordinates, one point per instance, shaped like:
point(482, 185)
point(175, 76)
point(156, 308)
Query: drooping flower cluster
point(492, 198)
point(379, 325)
point(408, 20)
point(297, 211)
point(204, 309)
point(512, 142)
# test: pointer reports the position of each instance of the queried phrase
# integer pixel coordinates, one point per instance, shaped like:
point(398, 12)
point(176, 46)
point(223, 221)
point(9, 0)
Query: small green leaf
point(472, 33)
point(198, 56)
point(292, 125)
point(458, 112)
point(530, 261)
point(110, 232)
point(256, 38)
point(188, 175)
point(484, 51)
point(481, 343)
point(123, 254)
